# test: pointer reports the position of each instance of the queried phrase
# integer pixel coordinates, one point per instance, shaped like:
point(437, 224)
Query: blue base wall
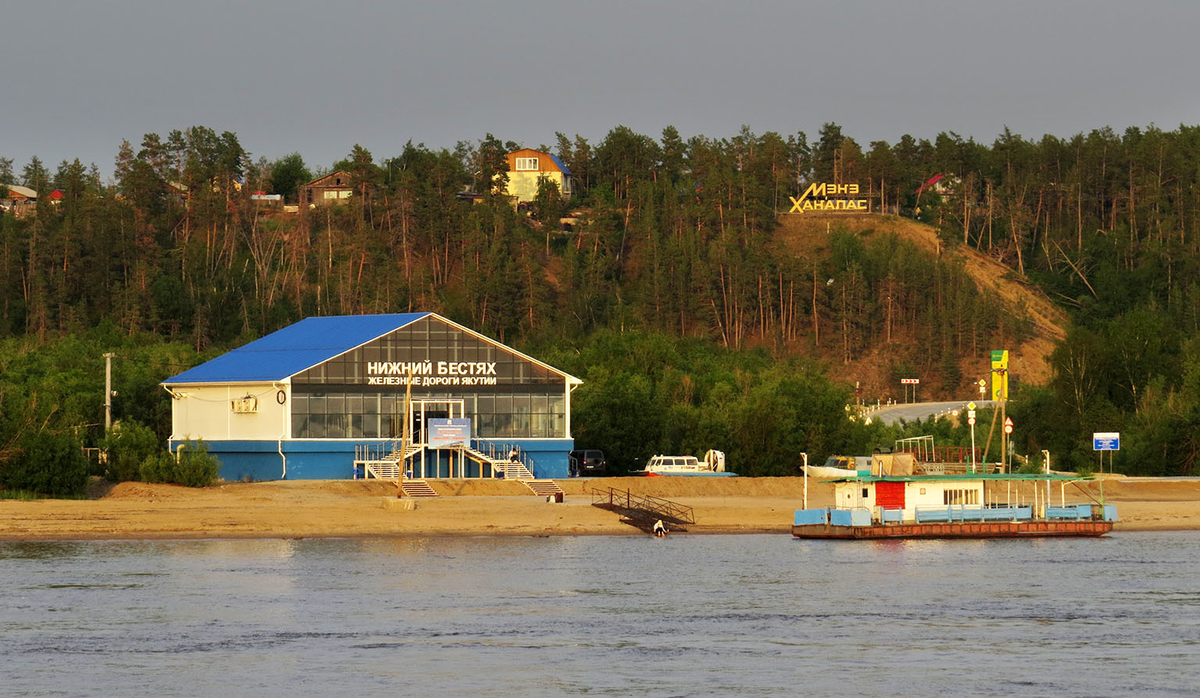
point(334, 460)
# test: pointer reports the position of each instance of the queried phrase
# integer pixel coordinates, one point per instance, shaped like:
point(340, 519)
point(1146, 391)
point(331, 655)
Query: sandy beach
point(341, 508)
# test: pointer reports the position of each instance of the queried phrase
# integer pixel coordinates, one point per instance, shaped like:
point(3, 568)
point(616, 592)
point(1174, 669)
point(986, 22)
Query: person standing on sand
point(660, 529)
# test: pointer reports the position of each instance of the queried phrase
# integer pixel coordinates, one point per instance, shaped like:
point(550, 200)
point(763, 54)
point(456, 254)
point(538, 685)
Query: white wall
point(848, 495)
point(206, 413)
point(933, 496)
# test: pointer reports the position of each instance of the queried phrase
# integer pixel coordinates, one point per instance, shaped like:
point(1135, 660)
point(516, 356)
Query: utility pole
point(108, 391)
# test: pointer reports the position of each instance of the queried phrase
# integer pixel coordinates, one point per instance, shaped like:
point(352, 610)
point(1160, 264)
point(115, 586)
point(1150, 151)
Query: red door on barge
point(889, 495)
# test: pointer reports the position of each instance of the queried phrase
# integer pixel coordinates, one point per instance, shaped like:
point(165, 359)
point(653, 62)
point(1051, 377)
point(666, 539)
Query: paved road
point(892, 414)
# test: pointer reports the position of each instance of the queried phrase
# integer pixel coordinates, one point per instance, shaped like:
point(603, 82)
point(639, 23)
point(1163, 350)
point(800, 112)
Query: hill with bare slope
point(1029, 360)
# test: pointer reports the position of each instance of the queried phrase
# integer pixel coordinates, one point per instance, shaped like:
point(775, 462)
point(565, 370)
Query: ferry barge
point(968, 505)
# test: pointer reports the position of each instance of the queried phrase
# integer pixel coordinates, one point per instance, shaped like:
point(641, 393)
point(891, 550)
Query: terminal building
point(313, 399)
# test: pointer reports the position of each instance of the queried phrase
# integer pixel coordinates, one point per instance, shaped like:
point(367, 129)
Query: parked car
point(586, 462)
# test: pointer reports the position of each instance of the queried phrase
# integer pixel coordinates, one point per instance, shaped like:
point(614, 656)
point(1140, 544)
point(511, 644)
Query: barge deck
point(991, 529)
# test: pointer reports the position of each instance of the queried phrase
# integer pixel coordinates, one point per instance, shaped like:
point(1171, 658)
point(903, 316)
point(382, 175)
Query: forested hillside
point(672, 237)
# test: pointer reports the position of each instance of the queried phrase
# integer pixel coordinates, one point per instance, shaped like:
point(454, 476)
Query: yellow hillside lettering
point(815, 198)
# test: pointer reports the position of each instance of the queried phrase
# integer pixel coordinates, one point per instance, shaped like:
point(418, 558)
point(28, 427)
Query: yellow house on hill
point(527, 166)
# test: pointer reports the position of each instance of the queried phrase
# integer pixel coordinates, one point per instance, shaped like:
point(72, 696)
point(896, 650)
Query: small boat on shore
point(713, 465)
point(969, 505)
point(837, 467)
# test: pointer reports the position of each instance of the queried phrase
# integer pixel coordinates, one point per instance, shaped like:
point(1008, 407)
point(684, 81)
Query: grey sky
point(318, 77)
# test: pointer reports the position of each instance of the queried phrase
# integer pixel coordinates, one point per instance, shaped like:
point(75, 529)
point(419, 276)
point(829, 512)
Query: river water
point(758, 615)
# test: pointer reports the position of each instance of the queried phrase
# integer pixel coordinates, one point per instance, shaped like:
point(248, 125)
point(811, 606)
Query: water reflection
point(763, 615)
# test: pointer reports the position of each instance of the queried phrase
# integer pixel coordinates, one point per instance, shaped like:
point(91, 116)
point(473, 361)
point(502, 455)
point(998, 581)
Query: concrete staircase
point(543, 488)
point(417, 488)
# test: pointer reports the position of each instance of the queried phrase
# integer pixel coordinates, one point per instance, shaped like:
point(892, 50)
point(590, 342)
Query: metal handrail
point(489, 448)
point(657, 506)
point(938, 454)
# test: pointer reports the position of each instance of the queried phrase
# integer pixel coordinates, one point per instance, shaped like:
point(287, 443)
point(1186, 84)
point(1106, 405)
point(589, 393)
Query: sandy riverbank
point(478, 507)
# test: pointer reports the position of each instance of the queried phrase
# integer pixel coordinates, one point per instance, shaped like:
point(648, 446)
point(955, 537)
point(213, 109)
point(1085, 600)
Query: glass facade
point(360, 394)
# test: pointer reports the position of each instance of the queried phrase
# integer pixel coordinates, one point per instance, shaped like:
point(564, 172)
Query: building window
point(342, 398)
point(527, 164)
point(960, 497)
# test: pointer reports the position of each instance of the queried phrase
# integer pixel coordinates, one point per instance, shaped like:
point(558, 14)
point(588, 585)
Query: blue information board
point(449, 433)
point(1106, 441)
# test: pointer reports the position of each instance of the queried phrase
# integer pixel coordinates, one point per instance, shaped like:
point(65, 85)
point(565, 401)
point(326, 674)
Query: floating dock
point(1008, 529)
point(964, 505)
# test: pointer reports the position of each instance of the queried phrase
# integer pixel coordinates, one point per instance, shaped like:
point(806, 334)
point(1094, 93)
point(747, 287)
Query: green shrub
point(20, 495)
point(1031, 468)
point(158, 467)
point(129, 445)
point(194, 467)
point(46, 462)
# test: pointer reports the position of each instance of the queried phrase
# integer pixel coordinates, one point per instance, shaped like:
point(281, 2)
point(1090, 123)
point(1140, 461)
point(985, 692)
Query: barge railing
point(955, 514)
point(952, 468)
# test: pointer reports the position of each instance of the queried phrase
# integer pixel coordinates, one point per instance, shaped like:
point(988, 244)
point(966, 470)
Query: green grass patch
point(27, 496)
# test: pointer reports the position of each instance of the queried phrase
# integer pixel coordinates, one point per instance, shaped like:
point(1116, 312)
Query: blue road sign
point(1106, 441)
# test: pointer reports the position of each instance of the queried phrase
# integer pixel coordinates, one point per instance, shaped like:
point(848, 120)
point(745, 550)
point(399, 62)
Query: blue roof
point(560, 164)
point(295, 348)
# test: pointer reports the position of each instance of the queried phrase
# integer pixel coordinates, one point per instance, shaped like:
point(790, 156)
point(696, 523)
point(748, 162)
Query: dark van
point(587, 462)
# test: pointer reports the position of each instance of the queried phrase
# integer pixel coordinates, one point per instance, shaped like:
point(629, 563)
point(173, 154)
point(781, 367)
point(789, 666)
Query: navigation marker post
point(914, 382)
point(1000, 392)
point(971, 421)
point(1008, 427)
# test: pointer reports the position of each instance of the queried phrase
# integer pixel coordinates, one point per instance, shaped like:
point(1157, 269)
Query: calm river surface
point(760, 615)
